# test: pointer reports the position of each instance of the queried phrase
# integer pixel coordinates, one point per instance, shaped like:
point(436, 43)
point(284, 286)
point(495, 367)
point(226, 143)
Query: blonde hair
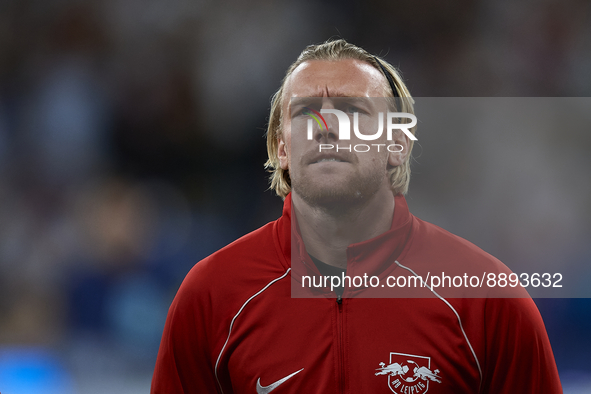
point(333, 51)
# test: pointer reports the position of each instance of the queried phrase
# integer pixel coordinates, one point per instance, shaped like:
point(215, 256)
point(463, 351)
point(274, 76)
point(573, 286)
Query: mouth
point(328, 157)
point(328, 160)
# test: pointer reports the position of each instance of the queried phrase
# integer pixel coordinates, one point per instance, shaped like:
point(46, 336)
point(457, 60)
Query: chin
point(334, 196)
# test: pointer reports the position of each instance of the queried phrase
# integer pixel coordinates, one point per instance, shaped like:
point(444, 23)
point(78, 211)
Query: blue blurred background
point(120, 168)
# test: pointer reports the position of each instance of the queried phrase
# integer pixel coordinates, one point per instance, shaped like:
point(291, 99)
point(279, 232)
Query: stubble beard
point(348, 194)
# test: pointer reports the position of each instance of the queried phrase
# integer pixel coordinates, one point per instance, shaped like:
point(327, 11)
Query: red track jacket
point(234, 327)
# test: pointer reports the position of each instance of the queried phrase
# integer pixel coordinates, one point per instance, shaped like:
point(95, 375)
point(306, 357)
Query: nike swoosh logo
point(273, 386)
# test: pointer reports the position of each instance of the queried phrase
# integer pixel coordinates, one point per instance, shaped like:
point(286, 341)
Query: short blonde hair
point(334, 51)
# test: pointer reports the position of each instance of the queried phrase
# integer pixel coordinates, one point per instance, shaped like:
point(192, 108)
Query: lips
point(329, 157)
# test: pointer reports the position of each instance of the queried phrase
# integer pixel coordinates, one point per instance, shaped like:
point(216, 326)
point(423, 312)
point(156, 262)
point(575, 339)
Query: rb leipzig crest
point(408, 374)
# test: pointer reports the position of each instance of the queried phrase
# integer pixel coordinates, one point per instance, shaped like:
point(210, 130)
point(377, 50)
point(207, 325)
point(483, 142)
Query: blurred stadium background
point(120, 167)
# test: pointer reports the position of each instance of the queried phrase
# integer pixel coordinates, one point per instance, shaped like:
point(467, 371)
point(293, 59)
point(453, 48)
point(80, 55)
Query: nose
point(329, 130)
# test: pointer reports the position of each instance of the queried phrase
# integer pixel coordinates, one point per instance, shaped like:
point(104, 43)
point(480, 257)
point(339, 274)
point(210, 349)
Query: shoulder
point(234, 272)
point(444, 248)
point(458, 268)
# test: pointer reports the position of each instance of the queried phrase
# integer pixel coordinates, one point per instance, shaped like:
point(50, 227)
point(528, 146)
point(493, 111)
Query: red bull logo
point(408, 373)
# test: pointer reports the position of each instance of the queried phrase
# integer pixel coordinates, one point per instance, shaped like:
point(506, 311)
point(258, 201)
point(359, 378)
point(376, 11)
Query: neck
point(327, 232)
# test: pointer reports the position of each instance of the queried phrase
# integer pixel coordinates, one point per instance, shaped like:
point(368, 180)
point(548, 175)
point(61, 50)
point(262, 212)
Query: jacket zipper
point(340, 345)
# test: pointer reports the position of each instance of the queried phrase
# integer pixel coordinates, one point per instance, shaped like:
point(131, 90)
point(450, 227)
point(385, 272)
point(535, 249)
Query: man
point(234, 326)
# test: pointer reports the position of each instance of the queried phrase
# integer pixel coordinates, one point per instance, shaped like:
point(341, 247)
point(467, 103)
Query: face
point(327, 176)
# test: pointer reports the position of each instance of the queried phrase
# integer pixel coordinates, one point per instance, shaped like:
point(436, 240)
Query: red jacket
point(233, 326)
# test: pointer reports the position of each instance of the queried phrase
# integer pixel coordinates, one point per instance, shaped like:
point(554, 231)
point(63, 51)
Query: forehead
point(338, 78)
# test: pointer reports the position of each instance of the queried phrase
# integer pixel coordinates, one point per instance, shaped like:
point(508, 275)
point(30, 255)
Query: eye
point(308, 111)
point(351, 109)
point(300, 111)
point(297, 112)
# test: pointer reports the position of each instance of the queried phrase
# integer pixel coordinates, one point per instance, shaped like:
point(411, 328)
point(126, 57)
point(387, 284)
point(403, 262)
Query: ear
point(282, 154)
point(400, 151)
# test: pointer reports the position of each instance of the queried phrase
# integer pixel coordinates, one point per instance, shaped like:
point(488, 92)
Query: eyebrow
point(336, 93)
point(352, 99)
point(302, 102)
